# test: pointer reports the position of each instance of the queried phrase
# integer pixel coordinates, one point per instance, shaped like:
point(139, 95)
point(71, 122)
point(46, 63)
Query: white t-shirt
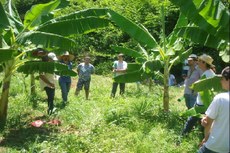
point(218, 110)
point(120, 66)
point(52, 79)
point(207, 74)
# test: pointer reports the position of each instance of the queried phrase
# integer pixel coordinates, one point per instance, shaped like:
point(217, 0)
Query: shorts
point(85, 83)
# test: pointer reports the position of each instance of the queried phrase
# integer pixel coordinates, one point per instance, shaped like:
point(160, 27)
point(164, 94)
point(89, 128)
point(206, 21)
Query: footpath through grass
point(134, 123)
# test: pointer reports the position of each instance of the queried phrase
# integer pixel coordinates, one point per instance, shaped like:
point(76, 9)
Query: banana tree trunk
point(5, 93)
point(32, 85)
point(166, 88)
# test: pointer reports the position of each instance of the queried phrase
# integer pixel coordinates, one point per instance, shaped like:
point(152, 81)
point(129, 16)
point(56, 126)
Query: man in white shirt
point(119, 68)
point(216, 121)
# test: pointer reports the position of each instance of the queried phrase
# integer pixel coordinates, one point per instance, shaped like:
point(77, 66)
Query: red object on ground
point(54, 122)
point(37, 123)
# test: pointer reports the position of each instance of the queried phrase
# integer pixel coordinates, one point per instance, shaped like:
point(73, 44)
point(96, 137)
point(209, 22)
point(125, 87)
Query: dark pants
point(203, 149)
point(114, 89)
point(65, 87)
point(50, 94)
point(192, 121)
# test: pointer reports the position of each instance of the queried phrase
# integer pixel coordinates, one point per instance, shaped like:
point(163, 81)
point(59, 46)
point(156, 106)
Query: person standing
point(84, 71)
point(172, 80)
point(47, 83)
point(194, 74)
point(119, 68)
point(216, 120)
point(65, 81)
point(205, 64)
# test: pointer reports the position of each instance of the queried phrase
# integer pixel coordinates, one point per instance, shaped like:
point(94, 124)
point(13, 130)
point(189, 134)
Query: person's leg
point(86, 87)
point(114, 89)
point(203, 149)
point(50, 95)
point(122, 88)
point(63, 86)
point(192, 100)
point(68, 85)
point(189, 124)
point(79, 86)
point(187, 99)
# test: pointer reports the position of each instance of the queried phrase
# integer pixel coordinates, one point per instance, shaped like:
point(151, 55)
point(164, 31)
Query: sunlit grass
point(134, 122)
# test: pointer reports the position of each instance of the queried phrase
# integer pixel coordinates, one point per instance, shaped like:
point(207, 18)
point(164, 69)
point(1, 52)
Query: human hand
point(204, 122)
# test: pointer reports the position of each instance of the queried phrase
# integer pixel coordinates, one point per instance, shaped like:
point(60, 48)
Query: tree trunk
point(166, 88)
point(5, 93)
point(32, 85)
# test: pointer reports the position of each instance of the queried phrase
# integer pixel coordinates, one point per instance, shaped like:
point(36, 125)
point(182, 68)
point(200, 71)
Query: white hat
point(192, 57)
point(207, 59)
point(52, 56)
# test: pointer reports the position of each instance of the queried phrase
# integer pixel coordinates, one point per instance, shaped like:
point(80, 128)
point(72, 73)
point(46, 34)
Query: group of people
point(215, 121)
point(216, 118)
point(84, 71)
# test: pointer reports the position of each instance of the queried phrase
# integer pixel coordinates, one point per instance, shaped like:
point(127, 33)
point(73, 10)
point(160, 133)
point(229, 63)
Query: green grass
point(134, 123)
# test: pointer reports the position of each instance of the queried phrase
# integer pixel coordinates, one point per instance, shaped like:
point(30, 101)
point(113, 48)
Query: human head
point(66, 57)
point(205, 62)
point(120, 56)
point(87, 59)
point(192, 59)
point(225, 78)
point(52, 56)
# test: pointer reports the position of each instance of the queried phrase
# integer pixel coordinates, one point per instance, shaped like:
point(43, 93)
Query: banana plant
point(209, 24)
point(40, 29)
point(151, 55)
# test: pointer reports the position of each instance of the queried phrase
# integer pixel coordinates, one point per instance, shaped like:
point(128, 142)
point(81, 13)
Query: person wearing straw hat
point(216, 120)
point(205, 64)
point(193, 74)
point(47, 83)
point(65, 81)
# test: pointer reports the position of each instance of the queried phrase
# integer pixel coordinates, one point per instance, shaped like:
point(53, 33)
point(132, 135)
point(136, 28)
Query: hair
point(225, 73)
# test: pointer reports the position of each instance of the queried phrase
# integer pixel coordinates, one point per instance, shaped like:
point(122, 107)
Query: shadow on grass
point(22, 137)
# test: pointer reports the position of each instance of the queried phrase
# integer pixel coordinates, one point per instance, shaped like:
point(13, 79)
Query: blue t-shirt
point(85, 71)
point(66, 78)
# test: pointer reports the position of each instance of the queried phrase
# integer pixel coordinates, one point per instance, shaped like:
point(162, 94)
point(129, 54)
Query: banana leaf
point(4, 23)
point(127, 51)
point(46, 40)
point(133, 67)
point(46, 67)
point(74, 26)
point(208, 84)
point(141, 35)
point(130, 77)
point(33, 16)
point(6, 54)
point(210, 15)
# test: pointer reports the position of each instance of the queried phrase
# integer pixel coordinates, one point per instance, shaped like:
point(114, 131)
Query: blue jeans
point(114, 89)
point(192, 121)
point(50, 92)
point(203, 149)
point(65, 87)
point(190, 100)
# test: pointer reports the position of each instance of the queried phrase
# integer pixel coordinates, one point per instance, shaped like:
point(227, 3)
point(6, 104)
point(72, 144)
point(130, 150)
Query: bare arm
point(43, 78)
point(207, 123)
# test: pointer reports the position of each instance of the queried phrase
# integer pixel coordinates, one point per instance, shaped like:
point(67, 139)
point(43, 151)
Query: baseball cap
point(225, 73)
point(52, 56)
point(192, 57)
